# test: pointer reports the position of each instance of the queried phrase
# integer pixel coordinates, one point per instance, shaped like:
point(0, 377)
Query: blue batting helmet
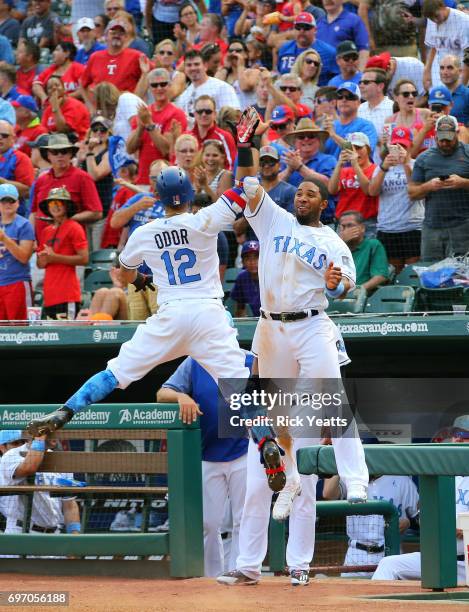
point(174, 187)
point(10, 435)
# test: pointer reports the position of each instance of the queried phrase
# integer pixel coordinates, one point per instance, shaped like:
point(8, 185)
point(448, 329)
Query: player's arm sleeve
point(263, 217)
point(214, 218)
point(9, 467)
point(343, 258)
point(131, 257)
point(181, 380)
point(223, 249)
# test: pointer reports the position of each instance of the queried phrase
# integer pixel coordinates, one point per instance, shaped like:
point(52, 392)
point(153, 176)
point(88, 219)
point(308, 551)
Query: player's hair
point(32, 49)
point(159, 72)
point(215, 20)
point(9, 72)
point(353, 213)
point(299, 63)
point(431, 7)
point(323, 190)
point(206, 97)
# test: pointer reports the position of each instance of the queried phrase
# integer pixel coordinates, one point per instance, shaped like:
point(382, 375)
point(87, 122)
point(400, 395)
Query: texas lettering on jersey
point(306, 252)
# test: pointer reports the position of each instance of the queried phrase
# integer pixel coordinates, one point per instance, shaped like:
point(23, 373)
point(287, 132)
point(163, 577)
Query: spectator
point(201, 84)
point(348, 103)
point(9, 26)
point(210, 32)
point(398, 68)
point(107, 304)
point(68, 70)
point(246, 288)
point(87, 34)
point(27, 58)
point(39, 27)
point(377, 105)
point(262, 96)
point(287, 90)
point(351, 182)
point(8, 90)
point(389, 26)
point(150, 128)
point(447, 33)
point(100, 25)
point(28, 127)
point(161, 17)
point(111, 238)
point(134, 41)
point(6, 51)
point(7, 112)
point(450, 76)
point(59, 151)
point(63, 113)
point(39, 163)
point(305, 38)
point(187, 30)
point(340, 25)
point(185, 151)
point(308, 66)
point(441, 177)
point(116, 106)
point(252, 16)
point(211, 56)
point(399, 219)
point(164, 57)
point(347, 59)
point(205, 128)
point(210, 175)
point(15, 167)
point(408, 115)
point(368, 254)
point(62, 247)
point(16, 248)
point(236, 72)
point(325, 105)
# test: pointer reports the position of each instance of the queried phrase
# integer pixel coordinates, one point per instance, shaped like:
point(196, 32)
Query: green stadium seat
point(408, 276)
point(103, 258)
point(230, 305)
point(394, 298)
point(229, 280)
point(353, 302)
point(98, 279)
point(440, 300)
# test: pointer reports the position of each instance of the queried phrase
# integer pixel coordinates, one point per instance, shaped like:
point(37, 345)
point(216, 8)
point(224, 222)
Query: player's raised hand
point(188, 409)
point(333, 276)
point(246, 126)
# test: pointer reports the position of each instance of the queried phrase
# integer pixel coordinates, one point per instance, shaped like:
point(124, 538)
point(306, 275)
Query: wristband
point(383, 169)
point(337, 292)
point(245, 159)
point(71, 527)
point(38, 445)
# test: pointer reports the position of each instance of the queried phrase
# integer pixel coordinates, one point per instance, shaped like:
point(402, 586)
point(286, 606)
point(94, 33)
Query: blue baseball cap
point(440, 95)
point(27, 102)
point(9, 191)
point(251, 246)
point(351, 87)
point(282, 114)
point(10, 435)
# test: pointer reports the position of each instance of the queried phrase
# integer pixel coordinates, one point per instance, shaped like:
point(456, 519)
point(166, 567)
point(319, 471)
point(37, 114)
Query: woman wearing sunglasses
point(408, 115)
point(308, 67)
point(164, 57)
point(210, 174)
point(235, 71)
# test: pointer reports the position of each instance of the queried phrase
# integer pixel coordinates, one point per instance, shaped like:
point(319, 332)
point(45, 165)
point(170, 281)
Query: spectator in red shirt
point(63, 113)
point(206, 128)
point(15, 167)
point(116, 64)
point(210, 31)
point(127, 175)
point(27, 58)
point(150, 136)
point(59, 152)
point(64, 67)
point(63, 247)
point(28, 126)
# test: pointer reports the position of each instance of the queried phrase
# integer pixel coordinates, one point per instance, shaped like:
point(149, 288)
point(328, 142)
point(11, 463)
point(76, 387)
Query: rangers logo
point(176, 200)
point(400, 132)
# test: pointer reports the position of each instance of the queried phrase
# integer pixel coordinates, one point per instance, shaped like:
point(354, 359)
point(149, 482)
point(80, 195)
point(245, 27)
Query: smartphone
point(347, 146)
point(444, 177)
point(394, 149)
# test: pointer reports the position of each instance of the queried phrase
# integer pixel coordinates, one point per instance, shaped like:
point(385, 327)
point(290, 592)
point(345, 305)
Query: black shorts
point(401, 245)
point(65, 311)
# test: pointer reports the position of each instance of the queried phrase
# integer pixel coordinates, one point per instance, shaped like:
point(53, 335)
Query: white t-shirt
point(127, 107)
point(408, 68)
point(378, 114)
point(451, 37)
point(294, 258)
point(223, 94)
point(182, 252)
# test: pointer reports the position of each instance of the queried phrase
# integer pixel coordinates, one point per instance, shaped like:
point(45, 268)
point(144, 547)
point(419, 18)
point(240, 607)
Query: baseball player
point(181, 251)
point(366, 533)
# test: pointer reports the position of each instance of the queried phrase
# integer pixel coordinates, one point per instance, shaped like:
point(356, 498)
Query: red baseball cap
point(282, 114)
point(401, 135)
point(305, 18)
point(302, 110)
point(379, 61)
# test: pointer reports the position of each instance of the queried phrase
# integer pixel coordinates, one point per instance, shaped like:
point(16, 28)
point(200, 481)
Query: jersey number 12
point(188, 260)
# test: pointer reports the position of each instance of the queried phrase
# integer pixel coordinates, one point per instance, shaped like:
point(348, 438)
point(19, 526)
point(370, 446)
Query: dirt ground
point(204, 595)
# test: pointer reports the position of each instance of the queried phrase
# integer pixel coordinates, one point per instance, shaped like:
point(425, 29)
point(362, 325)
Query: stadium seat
point(408, 276)
point(230, 305)
point(394, 298)
point(103, 258)
point(353, 302)
point(440, 299)
point(229, 279)
point(98, 279)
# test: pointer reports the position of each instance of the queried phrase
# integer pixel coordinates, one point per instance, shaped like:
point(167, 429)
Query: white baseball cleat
point(357, 494)
point(236, 578)
point(284, 503)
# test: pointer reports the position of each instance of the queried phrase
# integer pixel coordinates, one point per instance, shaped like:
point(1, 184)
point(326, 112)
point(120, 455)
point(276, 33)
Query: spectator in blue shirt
point(348, 103)
point(7, 112)
point(450, 75)
point(246, 287)
point(9, 27)
point(347, 59)
point(340, 25)
point(305, 38)
point(6, 51)
point(86, 33)
point(8, 89)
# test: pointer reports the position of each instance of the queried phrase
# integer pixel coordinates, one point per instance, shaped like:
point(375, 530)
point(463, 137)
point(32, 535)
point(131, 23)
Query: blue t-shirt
point(12, 270)
point(192, 379)
point(283, 194)
point(347, 26)
point(7, 112)
point(339, 79)
point(461, 104)
point(83, 55)
point(356, 125)
point(246, 291)
point(289, 51)
point(321, 162)
point(12, 94)
point(6, 51)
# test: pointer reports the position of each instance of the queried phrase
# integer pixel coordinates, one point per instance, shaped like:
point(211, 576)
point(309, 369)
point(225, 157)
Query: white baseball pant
point(408, 567)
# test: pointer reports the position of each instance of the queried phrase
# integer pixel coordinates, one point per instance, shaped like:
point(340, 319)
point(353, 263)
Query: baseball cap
point(268, 151)
point(9, 191)
point(251, 246)
point(85, 22)
point(351, 87)
point(440, 95)
point(27, 102)
point(282, 114)
point(359, 139)
point(401, 135)
point(41, 141)
point(446, 127)
point(117, 23)
point(102, 121)
point(346, 47)
point(302, 110)
point(305, 18)
point(10, 435)
point(461, 422)
point(379, 61)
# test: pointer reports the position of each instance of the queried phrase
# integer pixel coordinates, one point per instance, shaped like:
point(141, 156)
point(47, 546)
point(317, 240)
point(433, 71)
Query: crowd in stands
point(96, 97)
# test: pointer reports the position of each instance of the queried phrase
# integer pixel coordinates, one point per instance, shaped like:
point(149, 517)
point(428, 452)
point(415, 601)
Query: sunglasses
point(204, 111)
point(237, 50)
point(267, 163)
point(99, 128)
point(7, 201)
point(279, 126)
point(3, 135)
point(407, 94)
point(159, 85)
point(305, 136)
point(349, 97)
point(322, 100)
point(435, 108)
point(165, 52)
point(367, 81)
point(59, 151)
point(56, 203)
point(303, 26)
point(311, 61)
point(289, 88)
point(351, 57)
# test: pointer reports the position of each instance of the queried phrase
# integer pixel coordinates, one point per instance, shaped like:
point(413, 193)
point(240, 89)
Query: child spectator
point(127, 174)
point(63, 247)
point(28, 125)
point(27, 58)
point(246, 287)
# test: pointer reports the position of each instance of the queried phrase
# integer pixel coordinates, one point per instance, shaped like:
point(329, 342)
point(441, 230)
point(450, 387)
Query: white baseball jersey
point(182, 252)
point(450, 37)
point(294, 258)
point(47, 510)
point(462, 503)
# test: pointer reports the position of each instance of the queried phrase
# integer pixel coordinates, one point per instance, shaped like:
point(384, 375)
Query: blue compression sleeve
point(95, 389)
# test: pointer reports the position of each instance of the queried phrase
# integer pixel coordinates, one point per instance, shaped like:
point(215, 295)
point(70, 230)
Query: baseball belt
point(287, 317)
point(38, 528)
point(369, 549)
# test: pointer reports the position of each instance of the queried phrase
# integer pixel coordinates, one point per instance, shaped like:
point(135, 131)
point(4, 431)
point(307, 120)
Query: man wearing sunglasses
point(15, 167)
point(152, 124)
point(377, 106)
point(347, 59)
point(305, 38)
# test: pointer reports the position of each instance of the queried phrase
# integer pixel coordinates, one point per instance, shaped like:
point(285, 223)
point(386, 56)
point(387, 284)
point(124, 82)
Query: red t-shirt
point(25, 79)
point(61, 282)
point(79, 184)
point(216, 133)
point(28, 134)
point(111, 236)
point(75, 113)
point(24, 170)
point(148, 152)
point(70, 78)
point(351, 196)
point(122, 70)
